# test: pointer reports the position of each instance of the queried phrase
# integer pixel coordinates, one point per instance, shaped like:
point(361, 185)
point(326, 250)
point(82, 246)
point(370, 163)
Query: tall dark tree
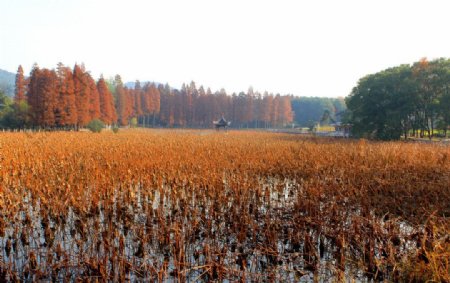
point(248, 116)
point(138, 99)
point(19, 93)
point(32, 92)
point(19, 116)
point(156, 101)
point(67, 108)
point(43, 97)
point(122, 105)
point(444, 110)
point(94, 99)
point(82, 95)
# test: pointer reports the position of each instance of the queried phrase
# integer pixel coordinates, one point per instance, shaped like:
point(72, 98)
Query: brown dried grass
point(238, 205)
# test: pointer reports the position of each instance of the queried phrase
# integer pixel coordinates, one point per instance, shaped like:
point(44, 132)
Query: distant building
point(335, 130)
point(222, 123)
point(342, 130)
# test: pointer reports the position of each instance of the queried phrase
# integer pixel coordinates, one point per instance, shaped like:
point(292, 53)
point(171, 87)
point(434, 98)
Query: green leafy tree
point(376, 104)
point(95, 125)
point(402, 99)
point(133, 122)
point(20, 112)
point(5, 109)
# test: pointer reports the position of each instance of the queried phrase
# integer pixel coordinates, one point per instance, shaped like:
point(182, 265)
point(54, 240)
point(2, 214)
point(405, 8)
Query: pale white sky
point(310, 48)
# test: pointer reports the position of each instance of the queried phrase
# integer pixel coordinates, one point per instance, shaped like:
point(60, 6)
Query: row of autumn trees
point(196, 107)
point(408, 100)
point(71, 98)
point(61, 98)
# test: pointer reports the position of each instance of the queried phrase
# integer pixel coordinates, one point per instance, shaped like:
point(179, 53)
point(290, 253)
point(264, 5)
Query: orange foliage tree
point(82, 94)
point(67, 102)
point(107, 110)
point(19, 94)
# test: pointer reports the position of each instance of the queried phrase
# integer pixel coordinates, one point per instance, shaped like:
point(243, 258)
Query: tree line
point(196, 107)
point(69, 98)
point(407, 100)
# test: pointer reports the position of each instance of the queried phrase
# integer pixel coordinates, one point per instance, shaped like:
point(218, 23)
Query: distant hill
point(7, 81)
point(131, 84)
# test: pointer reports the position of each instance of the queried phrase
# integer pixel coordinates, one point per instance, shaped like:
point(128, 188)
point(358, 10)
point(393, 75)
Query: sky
point(303, 48)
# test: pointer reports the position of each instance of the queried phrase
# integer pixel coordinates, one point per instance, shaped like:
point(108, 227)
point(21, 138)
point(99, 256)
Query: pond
point(268, 229)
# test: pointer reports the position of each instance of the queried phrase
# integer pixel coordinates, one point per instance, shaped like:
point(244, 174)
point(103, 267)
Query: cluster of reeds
point(199, 205)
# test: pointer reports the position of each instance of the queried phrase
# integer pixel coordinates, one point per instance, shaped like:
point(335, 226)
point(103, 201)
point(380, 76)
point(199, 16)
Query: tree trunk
point(432, 127)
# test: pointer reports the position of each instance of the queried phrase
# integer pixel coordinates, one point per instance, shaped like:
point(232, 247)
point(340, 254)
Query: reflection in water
point(271, 230)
